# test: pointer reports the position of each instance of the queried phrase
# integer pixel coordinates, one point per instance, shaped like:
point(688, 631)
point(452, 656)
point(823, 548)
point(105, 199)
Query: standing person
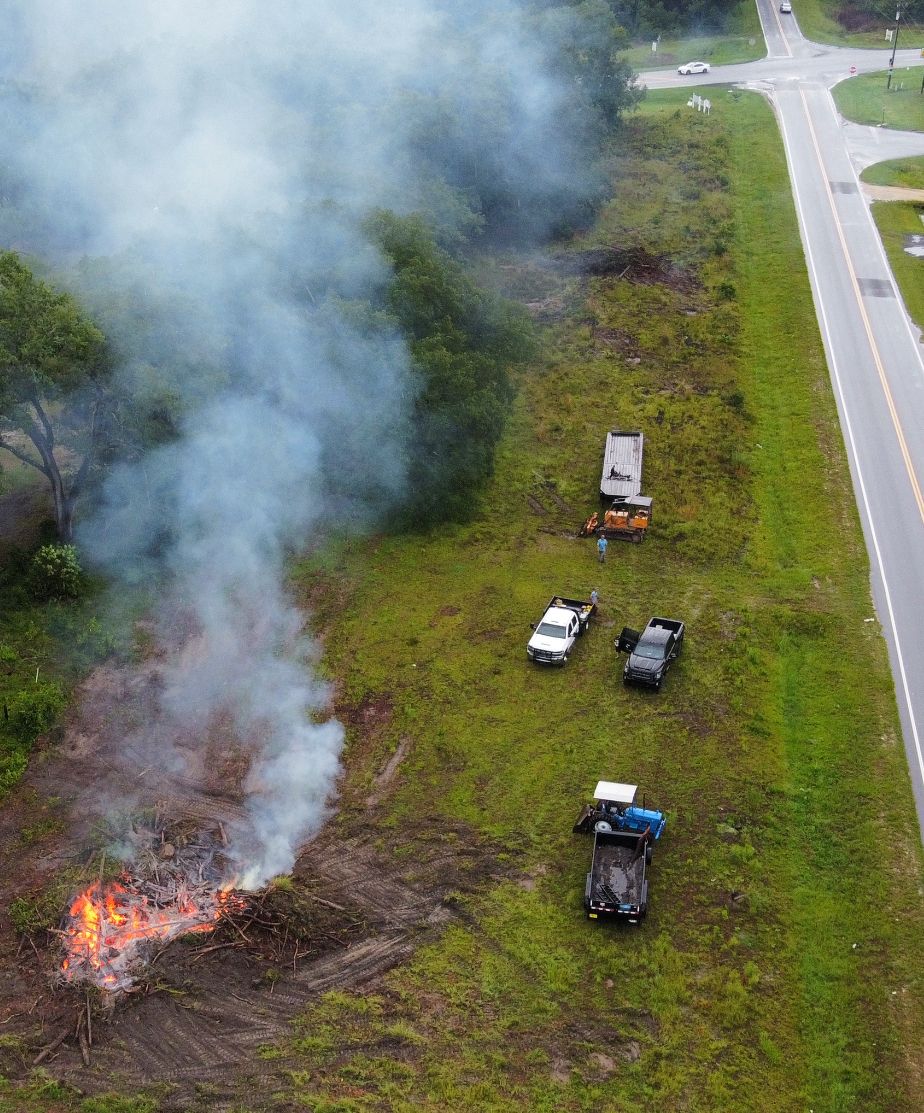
point(601, 549)
point(594, 597)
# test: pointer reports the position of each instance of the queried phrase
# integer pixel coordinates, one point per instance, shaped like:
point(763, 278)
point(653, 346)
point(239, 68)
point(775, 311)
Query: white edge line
point(832, 360)
point(868, 208)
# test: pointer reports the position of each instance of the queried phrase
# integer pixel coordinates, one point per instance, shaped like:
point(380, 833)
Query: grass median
point(897, 222)
point(866, 100)
point(779, 967)
point(907, 173)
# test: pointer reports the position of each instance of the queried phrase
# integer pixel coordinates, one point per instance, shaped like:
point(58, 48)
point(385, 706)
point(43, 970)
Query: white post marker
point(654, 48)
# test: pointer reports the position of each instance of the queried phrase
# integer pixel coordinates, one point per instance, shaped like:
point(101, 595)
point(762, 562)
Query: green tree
point(463, 339)
point(53, 398)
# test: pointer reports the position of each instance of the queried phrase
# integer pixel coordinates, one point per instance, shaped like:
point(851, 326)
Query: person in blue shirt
point(601, 549)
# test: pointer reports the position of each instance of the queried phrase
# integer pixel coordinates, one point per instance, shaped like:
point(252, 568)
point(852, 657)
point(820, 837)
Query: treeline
point(670, 17)
point(870, 15)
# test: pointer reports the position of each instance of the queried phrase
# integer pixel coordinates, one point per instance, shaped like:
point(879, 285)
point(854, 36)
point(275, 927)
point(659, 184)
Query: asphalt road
point(873, 349)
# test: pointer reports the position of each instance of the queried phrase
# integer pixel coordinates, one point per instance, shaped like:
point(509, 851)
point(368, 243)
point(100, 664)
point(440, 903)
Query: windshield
point(652, 652)
point(550, 630)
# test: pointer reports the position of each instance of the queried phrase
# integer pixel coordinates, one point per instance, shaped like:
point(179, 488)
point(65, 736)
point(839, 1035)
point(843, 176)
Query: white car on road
point(785, 7)
point(693, 67)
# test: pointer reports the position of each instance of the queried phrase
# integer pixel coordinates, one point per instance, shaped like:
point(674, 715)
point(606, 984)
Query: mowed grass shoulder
point(896, 221)
point(780, 966)
point(865, 99)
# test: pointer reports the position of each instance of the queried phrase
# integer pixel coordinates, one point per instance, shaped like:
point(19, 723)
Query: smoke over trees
point(258, 205)
point(53, 395)
point(672, 17)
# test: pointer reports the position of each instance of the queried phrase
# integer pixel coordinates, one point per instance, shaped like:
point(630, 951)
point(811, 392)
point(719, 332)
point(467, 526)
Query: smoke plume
point(201, 168)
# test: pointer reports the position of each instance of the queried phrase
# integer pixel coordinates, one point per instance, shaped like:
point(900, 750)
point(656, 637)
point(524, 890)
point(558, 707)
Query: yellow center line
point(779, 23)
point(877, 359)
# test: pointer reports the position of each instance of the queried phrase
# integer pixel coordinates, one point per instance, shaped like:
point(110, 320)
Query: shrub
point(55, 573)
point(33, 710)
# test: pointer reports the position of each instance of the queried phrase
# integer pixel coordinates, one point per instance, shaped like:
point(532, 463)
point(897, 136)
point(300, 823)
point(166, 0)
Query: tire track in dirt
point(212, 1033)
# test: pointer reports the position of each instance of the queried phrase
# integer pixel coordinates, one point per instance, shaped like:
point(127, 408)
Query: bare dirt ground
point(208, 1002)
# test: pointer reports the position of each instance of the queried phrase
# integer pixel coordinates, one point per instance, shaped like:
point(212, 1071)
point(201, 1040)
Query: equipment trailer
point(629, 513)
point(624, 838)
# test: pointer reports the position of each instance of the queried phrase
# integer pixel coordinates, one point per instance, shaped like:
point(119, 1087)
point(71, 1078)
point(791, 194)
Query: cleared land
point(897, 221)
point(754, 982)
point(780, 967)
point(865, 100)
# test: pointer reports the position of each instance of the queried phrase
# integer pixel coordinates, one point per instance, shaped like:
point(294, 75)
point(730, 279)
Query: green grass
point(865, 100)
point(895, 220)
point(774, 745)
point(905, 172)
point(743, 42)
point(818, 22)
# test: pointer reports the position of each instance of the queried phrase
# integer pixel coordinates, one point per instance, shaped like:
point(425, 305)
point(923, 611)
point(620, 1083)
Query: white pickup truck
point(564, 621)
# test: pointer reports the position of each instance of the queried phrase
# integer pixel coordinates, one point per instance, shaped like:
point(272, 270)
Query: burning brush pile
point(174, 886)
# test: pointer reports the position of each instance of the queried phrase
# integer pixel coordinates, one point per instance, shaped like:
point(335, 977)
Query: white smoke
point(222, 153)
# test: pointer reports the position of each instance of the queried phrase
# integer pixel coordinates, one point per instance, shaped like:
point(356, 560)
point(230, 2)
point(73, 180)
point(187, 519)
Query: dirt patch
point(547, 310)
point(384, 779)
point(358, 906)
point(631, 264)
point(616, 339)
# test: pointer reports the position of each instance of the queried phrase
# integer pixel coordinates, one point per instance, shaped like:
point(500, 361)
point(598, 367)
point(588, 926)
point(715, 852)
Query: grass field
point(865, 99)
point(774, 746)
point(743, 43)
point(780, 967)
point(907, 172)
point(895, 220)
point(817, 21)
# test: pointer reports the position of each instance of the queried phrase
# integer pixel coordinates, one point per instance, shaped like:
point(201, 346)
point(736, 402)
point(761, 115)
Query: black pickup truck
point(652, 652)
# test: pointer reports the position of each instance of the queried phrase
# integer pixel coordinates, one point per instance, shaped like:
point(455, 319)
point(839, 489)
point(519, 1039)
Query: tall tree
point(53, 396)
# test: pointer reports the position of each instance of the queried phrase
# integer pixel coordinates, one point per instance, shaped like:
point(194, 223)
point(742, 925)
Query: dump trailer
point(628, 515)
point(624, 838)
point(564, 621)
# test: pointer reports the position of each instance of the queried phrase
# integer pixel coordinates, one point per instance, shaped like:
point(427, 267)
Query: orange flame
point(109, 927)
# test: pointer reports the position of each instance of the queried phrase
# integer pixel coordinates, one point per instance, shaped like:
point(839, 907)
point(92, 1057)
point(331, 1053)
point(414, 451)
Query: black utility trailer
point(616, 885)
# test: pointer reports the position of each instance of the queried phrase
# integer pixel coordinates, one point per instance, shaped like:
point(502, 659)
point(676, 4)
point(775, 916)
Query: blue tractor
point(614, 806)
